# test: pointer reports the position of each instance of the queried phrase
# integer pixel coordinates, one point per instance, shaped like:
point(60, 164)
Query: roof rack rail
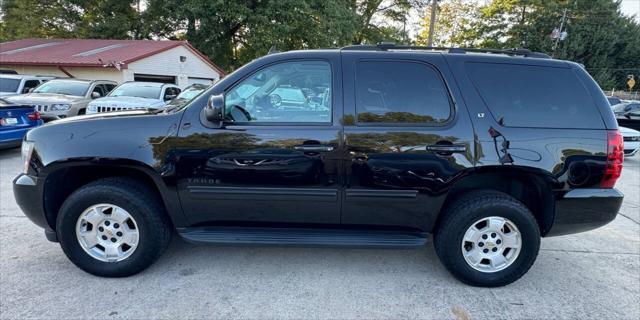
point(384, 46)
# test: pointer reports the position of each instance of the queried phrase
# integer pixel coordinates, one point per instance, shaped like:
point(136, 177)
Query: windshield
point(72, 88)
point(9, 85)
point(140, 90)
point(189, 93)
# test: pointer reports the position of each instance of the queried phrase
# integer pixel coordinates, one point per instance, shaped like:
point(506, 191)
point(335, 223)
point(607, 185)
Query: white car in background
point(135, 95)
point(14, 84)
point(631, 141)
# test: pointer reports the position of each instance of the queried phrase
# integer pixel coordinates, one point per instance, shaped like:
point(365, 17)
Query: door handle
point(313, 147)
point(447, 148)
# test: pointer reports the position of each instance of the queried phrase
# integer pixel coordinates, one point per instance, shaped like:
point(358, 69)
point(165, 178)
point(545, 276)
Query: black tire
point(139, 201)
point(470, 208)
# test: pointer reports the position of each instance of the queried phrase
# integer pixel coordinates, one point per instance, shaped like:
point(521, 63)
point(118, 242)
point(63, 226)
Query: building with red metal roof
point(118, 60)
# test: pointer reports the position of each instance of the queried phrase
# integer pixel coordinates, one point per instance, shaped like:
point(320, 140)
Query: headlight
point(60, 107)
point(26, 152)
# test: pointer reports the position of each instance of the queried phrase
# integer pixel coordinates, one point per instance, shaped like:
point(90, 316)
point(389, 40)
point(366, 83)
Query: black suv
point(375, 146)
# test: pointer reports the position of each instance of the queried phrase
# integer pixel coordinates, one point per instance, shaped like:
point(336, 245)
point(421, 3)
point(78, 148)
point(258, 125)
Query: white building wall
point(167, 63)
point(80, 73)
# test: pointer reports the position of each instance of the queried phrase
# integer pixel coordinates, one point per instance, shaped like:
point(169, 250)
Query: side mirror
point(214, 111)
point(95, 95)
point(168, 97)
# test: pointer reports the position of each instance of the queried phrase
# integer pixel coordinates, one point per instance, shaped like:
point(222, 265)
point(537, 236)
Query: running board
point(303, 237)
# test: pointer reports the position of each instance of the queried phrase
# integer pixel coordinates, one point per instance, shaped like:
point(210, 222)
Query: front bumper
point(631, 147)
point(29, 194)
point(581, 210)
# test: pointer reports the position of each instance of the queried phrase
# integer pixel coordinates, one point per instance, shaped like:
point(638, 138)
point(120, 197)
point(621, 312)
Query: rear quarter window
point(535, 96)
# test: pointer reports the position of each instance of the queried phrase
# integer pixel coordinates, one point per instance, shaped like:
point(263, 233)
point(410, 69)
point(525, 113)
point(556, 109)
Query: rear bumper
point(7, 144)
point(581, 210)
point(28, 194)
point(10, 138)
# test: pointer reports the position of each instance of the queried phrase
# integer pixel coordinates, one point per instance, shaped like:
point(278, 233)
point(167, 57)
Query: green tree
point(96, 19)
point(235, 32)
point(382, 20)
point(36, 19)
point(457, 24)
point(108, 19)
point(599, 36)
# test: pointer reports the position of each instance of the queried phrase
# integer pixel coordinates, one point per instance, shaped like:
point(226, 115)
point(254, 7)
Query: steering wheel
point(275, 100)
point(237, 116)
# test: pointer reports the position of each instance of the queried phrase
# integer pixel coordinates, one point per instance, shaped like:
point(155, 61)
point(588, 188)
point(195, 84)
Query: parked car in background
point(64, 97)
point(187, 94)
point(14, 84)
point(8, 71)
point(614, 100)
point(631, 139)
point(15, 121)
point(135, 95)
point(628, 114)
point(627, 109)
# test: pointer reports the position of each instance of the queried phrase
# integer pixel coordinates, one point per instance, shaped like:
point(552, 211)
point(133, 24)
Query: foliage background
point(233, 32)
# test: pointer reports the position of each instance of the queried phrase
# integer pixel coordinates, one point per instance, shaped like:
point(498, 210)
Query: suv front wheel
point(113, 227)
point(487, 238)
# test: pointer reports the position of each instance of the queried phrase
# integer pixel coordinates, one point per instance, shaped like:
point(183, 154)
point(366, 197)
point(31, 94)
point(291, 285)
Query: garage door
point(154, 78)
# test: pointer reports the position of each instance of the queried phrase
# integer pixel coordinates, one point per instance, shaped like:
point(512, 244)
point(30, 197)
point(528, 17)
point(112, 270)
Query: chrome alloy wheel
point(107, 232)
point(491, 244)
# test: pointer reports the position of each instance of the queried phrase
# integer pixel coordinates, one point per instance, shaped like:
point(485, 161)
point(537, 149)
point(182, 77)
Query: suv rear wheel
point(487, 238)
point(113, 227)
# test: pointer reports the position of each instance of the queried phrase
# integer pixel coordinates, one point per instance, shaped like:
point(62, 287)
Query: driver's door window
point(297, 91)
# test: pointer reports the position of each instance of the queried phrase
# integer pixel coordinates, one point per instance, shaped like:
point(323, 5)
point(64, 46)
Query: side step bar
point(303, 237)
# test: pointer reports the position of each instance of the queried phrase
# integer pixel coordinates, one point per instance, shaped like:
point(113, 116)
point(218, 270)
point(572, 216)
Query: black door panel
point(402, 155)
point(258, 174)
point(277, 162)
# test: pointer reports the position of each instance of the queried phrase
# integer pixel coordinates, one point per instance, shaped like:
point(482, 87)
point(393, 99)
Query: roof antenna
point(273, 50)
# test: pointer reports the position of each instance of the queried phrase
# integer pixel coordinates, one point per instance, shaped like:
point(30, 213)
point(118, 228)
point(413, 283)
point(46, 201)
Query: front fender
point(108, 144)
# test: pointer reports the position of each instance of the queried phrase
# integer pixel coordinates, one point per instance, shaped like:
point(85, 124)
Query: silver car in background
point(64, 97)
point(15, 84)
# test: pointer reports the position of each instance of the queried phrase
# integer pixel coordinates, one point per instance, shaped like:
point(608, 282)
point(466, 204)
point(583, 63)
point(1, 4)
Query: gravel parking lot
point(589, 275)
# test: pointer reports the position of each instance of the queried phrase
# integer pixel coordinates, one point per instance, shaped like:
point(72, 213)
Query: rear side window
point(534, 96)
point(397, 92)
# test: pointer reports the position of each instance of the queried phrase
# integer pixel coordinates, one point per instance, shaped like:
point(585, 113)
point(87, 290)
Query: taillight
point(615, 157)
point(34, 116)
